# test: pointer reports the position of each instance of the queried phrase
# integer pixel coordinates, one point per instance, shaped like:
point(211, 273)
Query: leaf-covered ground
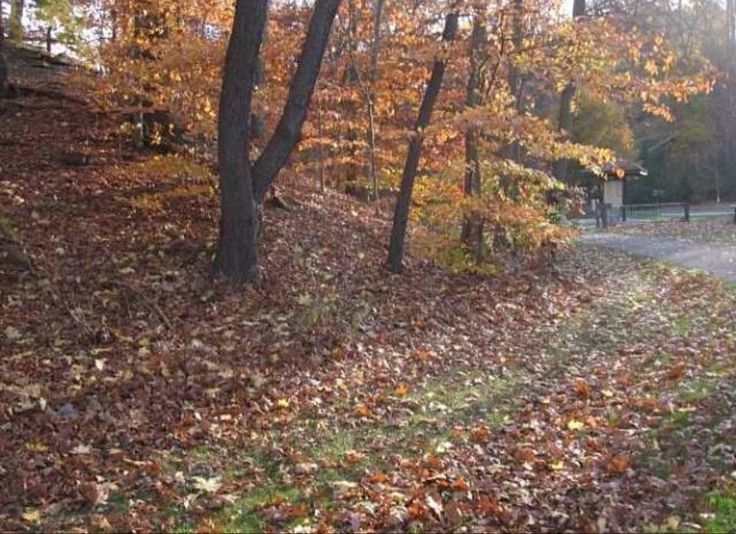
point(332, 396)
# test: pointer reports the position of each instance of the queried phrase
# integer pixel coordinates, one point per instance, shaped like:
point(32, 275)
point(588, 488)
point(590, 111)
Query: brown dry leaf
point(581, 388)
point(618, 463)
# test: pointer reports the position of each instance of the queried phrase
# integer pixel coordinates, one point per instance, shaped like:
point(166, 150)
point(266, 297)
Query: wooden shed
point(616, 174)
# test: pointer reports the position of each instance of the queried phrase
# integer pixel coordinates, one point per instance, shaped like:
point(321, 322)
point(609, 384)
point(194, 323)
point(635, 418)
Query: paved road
point(716, 259)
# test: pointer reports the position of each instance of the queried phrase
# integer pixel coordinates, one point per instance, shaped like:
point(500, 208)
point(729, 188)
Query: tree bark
point(401, 213)
point(15, 22)
point(3, 62)
point(242, 185)
point(287, 132)
point(370, 106)
point(516, 84)
point(236, 258)
point(560, 169)
point(472, 232)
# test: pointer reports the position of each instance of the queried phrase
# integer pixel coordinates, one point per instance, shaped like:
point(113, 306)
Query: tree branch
point(286, 135)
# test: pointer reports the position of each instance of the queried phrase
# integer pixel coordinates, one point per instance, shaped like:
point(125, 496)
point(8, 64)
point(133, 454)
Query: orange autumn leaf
point(378, 477)
point(401, 390)
point(617, 463)
point(582, 388)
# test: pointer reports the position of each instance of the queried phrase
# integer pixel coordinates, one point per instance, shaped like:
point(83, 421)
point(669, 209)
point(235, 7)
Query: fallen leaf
point(31, 515)
point(207, 485)
point(574, 424)
point(361, 410)
point(436, 506)
point(12, 333)
point(557, 466)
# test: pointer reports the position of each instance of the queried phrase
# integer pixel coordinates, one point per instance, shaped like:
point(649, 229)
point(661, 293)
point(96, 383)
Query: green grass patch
point(246, 514)
point(723, 511)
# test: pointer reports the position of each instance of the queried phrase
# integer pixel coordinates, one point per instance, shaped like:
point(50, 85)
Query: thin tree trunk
point(515, 78)
point(731, 24)
point(287, 132)
point(320, 149)
point(3, 62)
point(370, 107)
point(351, 76)
point(515, 81)
point(114, 25)
point(560, 169)
point(717, 179)
point(472, 232)
point(401, 213)
point(15, 22)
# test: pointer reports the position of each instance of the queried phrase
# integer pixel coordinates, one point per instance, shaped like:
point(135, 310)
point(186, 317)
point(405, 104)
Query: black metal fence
point(605, 214)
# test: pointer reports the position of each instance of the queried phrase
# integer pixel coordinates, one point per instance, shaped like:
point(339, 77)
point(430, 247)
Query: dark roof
point(623, 168)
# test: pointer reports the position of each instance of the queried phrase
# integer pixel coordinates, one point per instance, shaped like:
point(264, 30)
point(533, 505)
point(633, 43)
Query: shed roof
point(621, 169)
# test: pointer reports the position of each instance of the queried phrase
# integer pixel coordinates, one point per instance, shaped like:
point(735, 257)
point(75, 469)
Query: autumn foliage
point(167, 57)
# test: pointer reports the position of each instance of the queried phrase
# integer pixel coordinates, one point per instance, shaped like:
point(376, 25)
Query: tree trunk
point(472, 232)
point(236, 258)
point(15, 22)
point(242, 186)
point(560, 169)
point(516, 85)
point(320, 148)
point(401, 213)
point(731, 25)
point(3, 62)
point(287, 132)
point(370, 107)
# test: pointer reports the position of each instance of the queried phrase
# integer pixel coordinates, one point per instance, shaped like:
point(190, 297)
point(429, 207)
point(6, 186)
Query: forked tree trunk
point(289, 127)
point(236, 258)
point(242, 185)
point(401, 213)
point(561, 167)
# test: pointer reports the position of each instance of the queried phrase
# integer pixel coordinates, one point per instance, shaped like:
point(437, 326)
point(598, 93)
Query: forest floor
point(135, 393)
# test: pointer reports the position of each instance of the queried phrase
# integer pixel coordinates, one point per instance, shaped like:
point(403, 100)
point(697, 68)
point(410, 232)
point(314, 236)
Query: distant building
point(616, 174)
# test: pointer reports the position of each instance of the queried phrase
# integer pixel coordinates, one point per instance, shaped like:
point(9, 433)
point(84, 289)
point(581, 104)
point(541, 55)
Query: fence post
point(734, 214)
point(623, 213)
point(604, 214)
point(687, 212)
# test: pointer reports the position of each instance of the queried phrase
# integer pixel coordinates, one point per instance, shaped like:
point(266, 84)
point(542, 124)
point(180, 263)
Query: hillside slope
point(136, 393)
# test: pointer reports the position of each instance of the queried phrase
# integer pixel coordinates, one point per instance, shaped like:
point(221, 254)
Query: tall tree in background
point(15, 22)
point(243, 184)
point(472, 233)
point(564, 120)
point(401, 212)
point(3, 63)
point(371, 96)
